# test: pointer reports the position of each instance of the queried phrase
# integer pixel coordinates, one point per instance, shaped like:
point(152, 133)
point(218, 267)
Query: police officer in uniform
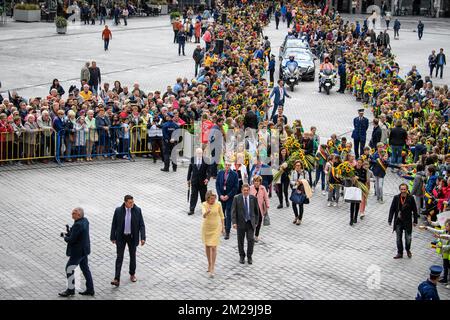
point(427, 290)
point(169, 142)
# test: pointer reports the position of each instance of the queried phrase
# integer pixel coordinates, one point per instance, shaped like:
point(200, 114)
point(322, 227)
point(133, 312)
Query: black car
point(305, 60)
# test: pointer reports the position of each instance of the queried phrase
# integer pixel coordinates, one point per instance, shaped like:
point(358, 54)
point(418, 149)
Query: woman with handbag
point(300, 196)
point(334, 184)
point(356, 199)
point(260, 192)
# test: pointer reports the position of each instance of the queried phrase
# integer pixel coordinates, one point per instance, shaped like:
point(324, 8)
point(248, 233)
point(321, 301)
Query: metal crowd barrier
point(27, 145)
point(82, 143)
point(139, 140)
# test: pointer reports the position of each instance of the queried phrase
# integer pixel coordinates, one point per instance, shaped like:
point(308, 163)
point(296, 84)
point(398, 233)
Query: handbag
point(266, 220)
point(352, 194)
point(297, 198)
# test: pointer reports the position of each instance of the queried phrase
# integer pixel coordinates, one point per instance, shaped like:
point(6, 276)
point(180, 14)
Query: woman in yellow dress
point(213, 226)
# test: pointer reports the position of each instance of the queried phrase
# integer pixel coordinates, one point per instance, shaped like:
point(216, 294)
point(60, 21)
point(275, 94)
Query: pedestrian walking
point(260, 193)
point(427, 290)
point(387, 19)
point(116, 14)
point(78, 250)
point(95, 78)
point(181, 42)
point(245, 212)
point(432, 62)
point(420, 27)
point(127, 229)
point(85, 74)
point(397, 25)
point(279, 93)
point(440, 62)
point(227, 187)
point(198, 58)
point(125, 14)
point(92, 14)
point(169, 142)
point(212, 227)
point(301, 193)
point(102, 13)
point(277, 18)
point(197, 178)
point(106, 37)
point(403, 213)
point(271, 68)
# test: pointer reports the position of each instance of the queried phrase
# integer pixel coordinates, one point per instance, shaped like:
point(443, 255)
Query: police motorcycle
point(291, 74)
point(327, 80)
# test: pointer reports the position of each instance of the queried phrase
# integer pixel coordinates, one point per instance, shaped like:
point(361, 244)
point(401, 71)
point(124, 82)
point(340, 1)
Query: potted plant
point(174, 15)
point(61, 25)
point(27, 12)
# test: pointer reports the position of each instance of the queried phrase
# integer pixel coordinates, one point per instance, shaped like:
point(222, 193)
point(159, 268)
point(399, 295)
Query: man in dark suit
point(78, 249)
point(376, 134)
point(279, 93)
point(245, 219)
point(404, 213)
point(227, 183)
point(126, 230)
point(360, 124)
point(440, 62)
point(197, 178)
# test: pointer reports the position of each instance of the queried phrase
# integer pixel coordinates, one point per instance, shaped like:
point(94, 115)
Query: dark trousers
point(125, 20)
point(399, 228)
point(445, 265)
point(106, 42)
point(156, 145)
point(116, 20)
point(298, 210)
point(282, 189)
point(47, 143)
point(127, 241)
point(441, 67)
point(195, 190)
point(175, 36)
point(84, 266)
point(275, 108)
point(387, 24)
point(354, 209)
point(342, 82)
point(258, 227)
point(181, 48)
point(277, 22)
point(226, 208)
point(396, 34)
point(420, 33)
point(167, 151)
point(271, 73)
point(242, 232)
point(310, 177)
point(359, 147)
point(432, 66)
point(289, 23)
point(320, 174)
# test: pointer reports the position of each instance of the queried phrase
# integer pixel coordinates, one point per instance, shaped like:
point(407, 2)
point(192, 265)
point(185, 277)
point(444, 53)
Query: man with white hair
point(197, 178)
point(78, 249)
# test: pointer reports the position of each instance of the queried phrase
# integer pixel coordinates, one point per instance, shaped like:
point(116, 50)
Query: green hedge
point(174, 15)
point(27, 6)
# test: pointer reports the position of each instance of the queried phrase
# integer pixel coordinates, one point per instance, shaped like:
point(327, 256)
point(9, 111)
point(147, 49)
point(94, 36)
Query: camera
point(67, 233)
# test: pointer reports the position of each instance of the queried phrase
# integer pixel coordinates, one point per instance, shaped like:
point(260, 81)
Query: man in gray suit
point(245, 214)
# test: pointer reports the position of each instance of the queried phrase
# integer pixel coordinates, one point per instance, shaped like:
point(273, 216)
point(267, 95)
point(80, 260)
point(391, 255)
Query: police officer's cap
point(435, 270)
point(360, 110)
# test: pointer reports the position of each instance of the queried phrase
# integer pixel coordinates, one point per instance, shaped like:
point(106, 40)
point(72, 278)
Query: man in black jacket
point(197, 178)
point(126, 230)
point(250, 120)
point(78, 249)
point(198, 57)
point(404, 213)
point(440, 62)
point(376, 134)
point(397, 140)
point(95, 78)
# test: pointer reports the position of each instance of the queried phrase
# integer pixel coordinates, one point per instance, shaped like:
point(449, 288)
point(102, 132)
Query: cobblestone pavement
point(324, 258)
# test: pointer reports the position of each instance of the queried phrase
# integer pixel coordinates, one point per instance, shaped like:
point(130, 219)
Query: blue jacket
point(361, 127)
point(341, 69)
point(431, 183)
point(427, 291)
point(78, 241)
point(272, 65)
point(276, 94)
point(137, 225)
point(58, 125)
point(167, 130)
point(231, 185)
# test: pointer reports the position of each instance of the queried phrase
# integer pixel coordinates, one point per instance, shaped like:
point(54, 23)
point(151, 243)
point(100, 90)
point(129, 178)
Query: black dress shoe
point(249, 260)
point(67, 293)
point(398, 256)
point(87, 293)
point(227, 236)
point(165, 170)
point(287, 204)
point(242, 261)
point(355, 221)
point(351, 222)
point(190, 213)
point(280, 206)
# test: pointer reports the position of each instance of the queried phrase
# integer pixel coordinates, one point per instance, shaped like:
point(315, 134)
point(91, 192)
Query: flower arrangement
point(346, 171)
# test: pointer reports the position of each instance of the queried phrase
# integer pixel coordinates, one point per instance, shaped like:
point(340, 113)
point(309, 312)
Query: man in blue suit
point(227, 184)
point(279, 93)
point(360, 124)
point(78, 249)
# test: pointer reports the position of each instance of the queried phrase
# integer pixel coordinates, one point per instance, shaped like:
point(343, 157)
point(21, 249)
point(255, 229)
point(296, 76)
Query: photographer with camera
point(78, 249)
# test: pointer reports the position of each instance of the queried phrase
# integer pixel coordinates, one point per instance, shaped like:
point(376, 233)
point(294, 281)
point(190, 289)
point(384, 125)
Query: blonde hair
point(210, 194)
point(257, 178)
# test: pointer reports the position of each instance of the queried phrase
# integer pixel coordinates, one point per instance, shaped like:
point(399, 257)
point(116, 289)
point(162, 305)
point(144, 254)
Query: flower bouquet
point(346, 171)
